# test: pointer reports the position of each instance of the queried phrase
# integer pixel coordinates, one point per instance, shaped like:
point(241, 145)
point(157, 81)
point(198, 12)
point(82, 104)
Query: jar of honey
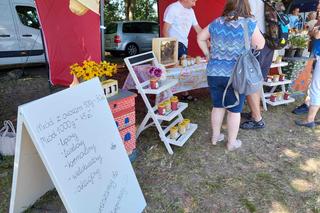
point(174, 102)
point(161, 109)
point(182, 128)
point(174, 132)
point(167, 103)
point(187, 123)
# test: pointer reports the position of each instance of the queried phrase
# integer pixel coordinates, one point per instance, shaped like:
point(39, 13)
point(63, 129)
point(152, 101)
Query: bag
point(246, 77)
point(7, 139)
point(277, 30)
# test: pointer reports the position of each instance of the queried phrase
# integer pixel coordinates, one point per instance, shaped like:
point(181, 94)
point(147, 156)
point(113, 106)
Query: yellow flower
point(90, 69)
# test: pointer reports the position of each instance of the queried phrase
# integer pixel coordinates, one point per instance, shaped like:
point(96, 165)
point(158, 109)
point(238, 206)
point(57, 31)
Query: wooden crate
point(165, 50)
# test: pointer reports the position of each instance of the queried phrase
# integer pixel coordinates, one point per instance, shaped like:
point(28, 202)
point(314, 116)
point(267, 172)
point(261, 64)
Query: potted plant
point(90, 69)
point(298, 42)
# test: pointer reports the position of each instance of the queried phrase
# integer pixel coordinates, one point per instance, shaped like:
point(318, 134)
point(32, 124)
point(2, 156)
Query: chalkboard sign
point(71, 139)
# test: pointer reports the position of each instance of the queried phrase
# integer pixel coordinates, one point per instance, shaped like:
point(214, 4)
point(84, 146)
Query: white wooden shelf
point(174, 117)
point(276, 103)
point(163, 87)
point(180, 141)
point(281, 64)
point(171, 114)
point(272, 84)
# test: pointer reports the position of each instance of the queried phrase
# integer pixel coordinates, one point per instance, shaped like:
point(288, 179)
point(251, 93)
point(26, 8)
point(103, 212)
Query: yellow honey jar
point(187, 123)
point(182, 128)
point(167, 103)
point(174, 132)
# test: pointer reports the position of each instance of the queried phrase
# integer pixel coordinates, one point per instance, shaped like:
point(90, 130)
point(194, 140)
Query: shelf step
point(172, 114)
point(276, 103)
point(183, 138)
point(272, 84)
point(164, 86)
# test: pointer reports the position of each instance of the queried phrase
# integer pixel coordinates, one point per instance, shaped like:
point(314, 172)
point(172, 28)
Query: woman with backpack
point(227, 44)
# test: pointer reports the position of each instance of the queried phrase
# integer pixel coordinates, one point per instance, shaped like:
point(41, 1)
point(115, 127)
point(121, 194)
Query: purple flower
point(155, 72)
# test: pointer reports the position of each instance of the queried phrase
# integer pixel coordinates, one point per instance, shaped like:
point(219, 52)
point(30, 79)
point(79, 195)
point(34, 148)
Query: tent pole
point(102, 28)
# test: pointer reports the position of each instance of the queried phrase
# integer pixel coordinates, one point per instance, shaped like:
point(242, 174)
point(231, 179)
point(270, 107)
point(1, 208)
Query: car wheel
point(132, 49)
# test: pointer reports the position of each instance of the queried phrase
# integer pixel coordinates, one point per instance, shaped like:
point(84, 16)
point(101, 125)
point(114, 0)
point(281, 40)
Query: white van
point(20, 37)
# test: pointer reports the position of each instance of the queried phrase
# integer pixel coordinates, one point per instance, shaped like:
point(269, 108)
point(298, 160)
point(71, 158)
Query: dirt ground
point(276, 170)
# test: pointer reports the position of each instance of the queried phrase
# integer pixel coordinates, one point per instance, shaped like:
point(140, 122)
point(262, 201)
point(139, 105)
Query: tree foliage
point(119, 10)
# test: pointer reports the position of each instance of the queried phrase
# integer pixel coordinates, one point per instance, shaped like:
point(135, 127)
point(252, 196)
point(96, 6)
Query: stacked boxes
point(122, 107)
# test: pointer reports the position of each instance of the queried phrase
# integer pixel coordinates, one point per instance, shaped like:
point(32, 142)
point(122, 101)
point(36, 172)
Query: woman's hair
point(236, 8)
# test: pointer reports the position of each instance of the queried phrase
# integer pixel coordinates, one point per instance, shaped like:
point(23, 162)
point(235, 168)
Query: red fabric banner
point(205, 10)
point(69, 38)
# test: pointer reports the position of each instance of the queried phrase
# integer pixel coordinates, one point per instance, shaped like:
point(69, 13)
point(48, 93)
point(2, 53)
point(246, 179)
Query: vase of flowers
point(90, 69)
point(157, 75)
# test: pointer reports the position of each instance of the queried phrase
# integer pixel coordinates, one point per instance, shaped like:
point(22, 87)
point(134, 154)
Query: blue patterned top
point(227, 44)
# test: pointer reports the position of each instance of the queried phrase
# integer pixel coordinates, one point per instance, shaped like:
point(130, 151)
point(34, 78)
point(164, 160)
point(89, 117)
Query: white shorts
point(314, 90)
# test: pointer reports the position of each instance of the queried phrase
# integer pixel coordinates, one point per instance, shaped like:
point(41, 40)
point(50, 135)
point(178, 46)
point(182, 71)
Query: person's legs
point(256, 121)
point(254, 104)
point(312, 113)
point(314, 92)
point(217, 115)
point(233, 122)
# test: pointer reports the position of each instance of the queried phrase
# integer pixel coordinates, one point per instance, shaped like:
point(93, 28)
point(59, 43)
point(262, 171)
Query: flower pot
point(289, 53)
point(154, 83)
point(299, 52)
point(286, 96)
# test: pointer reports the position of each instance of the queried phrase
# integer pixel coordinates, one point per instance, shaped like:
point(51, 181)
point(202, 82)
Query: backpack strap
point(244, 25)
point(247, 44)
point(235, 93)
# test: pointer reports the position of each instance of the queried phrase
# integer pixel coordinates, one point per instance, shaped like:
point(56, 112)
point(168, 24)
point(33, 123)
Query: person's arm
point(258, 40)
point(202, 38)
point(197, 28)
point(165, 30)
point(316, 33)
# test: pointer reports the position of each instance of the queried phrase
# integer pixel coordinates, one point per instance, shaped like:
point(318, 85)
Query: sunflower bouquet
point(90, 69)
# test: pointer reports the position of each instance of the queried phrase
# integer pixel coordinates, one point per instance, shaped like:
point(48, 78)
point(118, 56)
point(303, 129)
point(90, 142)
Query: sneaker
point(220, 139)
point(235, 145)
point(309, 125)
point(252, 124)
point(302, 109)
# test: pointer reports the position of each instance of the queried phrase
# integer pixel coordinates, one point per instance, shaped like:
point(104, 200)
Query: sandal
point(220, 138)
point(188, 98)
point(252, 124)
point(235, 145)
point(306, 124)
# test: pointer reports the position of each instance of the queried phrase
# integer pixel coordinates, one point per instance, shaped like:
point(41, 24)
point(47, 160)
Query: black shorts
point(265, 59)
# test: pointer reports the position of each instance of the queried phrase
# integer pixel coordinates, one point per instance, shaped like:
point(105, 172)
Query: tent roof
point(305, 5)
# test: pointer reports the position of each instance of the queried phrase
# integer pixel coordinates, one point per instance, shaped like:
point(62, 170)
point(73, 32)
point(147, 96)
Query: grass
point(260, 177)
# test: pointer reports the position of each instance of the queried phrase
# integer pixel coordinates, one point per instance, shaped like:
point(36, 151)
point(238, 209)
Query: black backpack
point(277, 31)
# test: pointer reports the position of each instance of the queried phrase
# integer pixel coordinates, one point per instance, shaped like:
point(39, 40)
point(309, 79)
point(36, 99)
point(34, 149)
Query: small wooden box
point(166, 50)
point(110, 87)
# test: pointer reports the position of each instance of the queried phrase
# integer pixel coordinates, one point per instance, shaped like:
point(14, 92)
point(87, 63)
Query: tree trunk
point(147, 10)
point(130, 4)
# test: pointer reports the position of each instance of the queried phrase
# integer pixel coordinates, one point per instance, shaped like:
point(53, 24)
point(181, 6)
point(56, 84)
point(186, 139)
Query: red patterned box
point(122, 101)
point(128, 136)
point(122, 107)
point(126, 119)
